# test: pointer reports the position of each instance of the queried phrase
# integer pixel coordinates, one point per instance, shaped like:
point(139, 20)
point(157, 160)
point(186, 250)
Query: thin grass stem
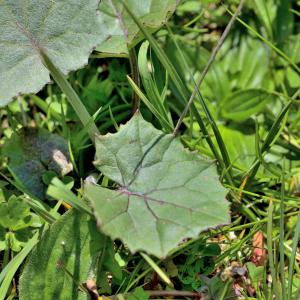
point(135, 77)
point(281, 236)
point(270, 251)
point(278, 51)
point(157, 269)
point(208, 65)
point(293, 258)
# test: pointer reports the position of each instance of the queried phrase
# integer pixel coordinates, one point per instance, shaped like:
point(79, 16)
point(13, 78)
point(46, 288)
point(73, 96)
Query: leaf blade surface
point(165, 193)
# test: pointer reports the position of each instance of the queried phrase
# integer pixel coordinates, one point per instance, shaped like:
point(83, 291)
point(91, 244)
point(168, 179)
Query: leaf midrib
point(23, 30)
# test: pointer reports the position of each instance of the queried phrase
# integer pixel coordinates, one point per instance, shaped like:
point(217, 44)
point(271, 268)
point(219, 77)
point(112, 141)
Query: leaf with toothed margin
point(65, 30)
point(165, 193)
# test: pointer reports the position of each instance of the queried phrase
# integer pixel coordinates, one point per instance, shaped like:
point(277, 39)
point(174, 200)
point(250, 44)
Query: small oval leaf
point(241, 105)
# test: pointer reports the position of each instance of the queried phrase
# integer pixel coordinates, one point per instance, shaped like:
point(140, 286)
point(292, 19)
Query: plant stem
point(6, 255)
point(82, 113)
point(224, 161)
point(269, 140)
point(157, 269)
point(293, 257)
point(174, 294)
point(135, 77)
point(165, 294)
point(270, 251)
point(281, 238)
point(208, 65)
point(24, 119)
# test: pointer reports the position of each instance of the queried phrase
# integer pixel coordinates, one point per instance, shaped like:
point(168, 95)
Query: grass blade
point(224, 160)
point(270, 251)
point(73, 98)
point(58, 191)
point(11, 268)
point(157, 269)
point(293, 258)
point(149, 82)
point(281, 238)
point(270, 140)
point(161, 118)
point(209, 63)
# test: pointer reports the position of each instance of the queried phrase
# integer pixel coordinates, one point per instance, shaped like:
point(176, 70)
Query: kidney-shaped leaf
point(65, 30)
point(240, 105)
point(121, 31)
point(165, 193)
point(69, 248)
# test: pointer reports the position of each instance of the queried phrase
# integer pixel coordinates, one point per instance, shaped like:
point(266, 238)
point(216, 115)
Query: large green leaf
point(65, 257)
point(32, 152)
point(119, 28)
point(241, 105)
point(165, 193)
point(66, 31)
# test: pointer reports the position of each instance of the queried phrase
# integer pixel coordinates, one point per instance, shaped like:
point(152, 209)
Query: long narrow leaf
point(58, 191)
point(270, 251)
point(11, 268)
point(161, 118)
point(270, 139)
point(293, 258)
